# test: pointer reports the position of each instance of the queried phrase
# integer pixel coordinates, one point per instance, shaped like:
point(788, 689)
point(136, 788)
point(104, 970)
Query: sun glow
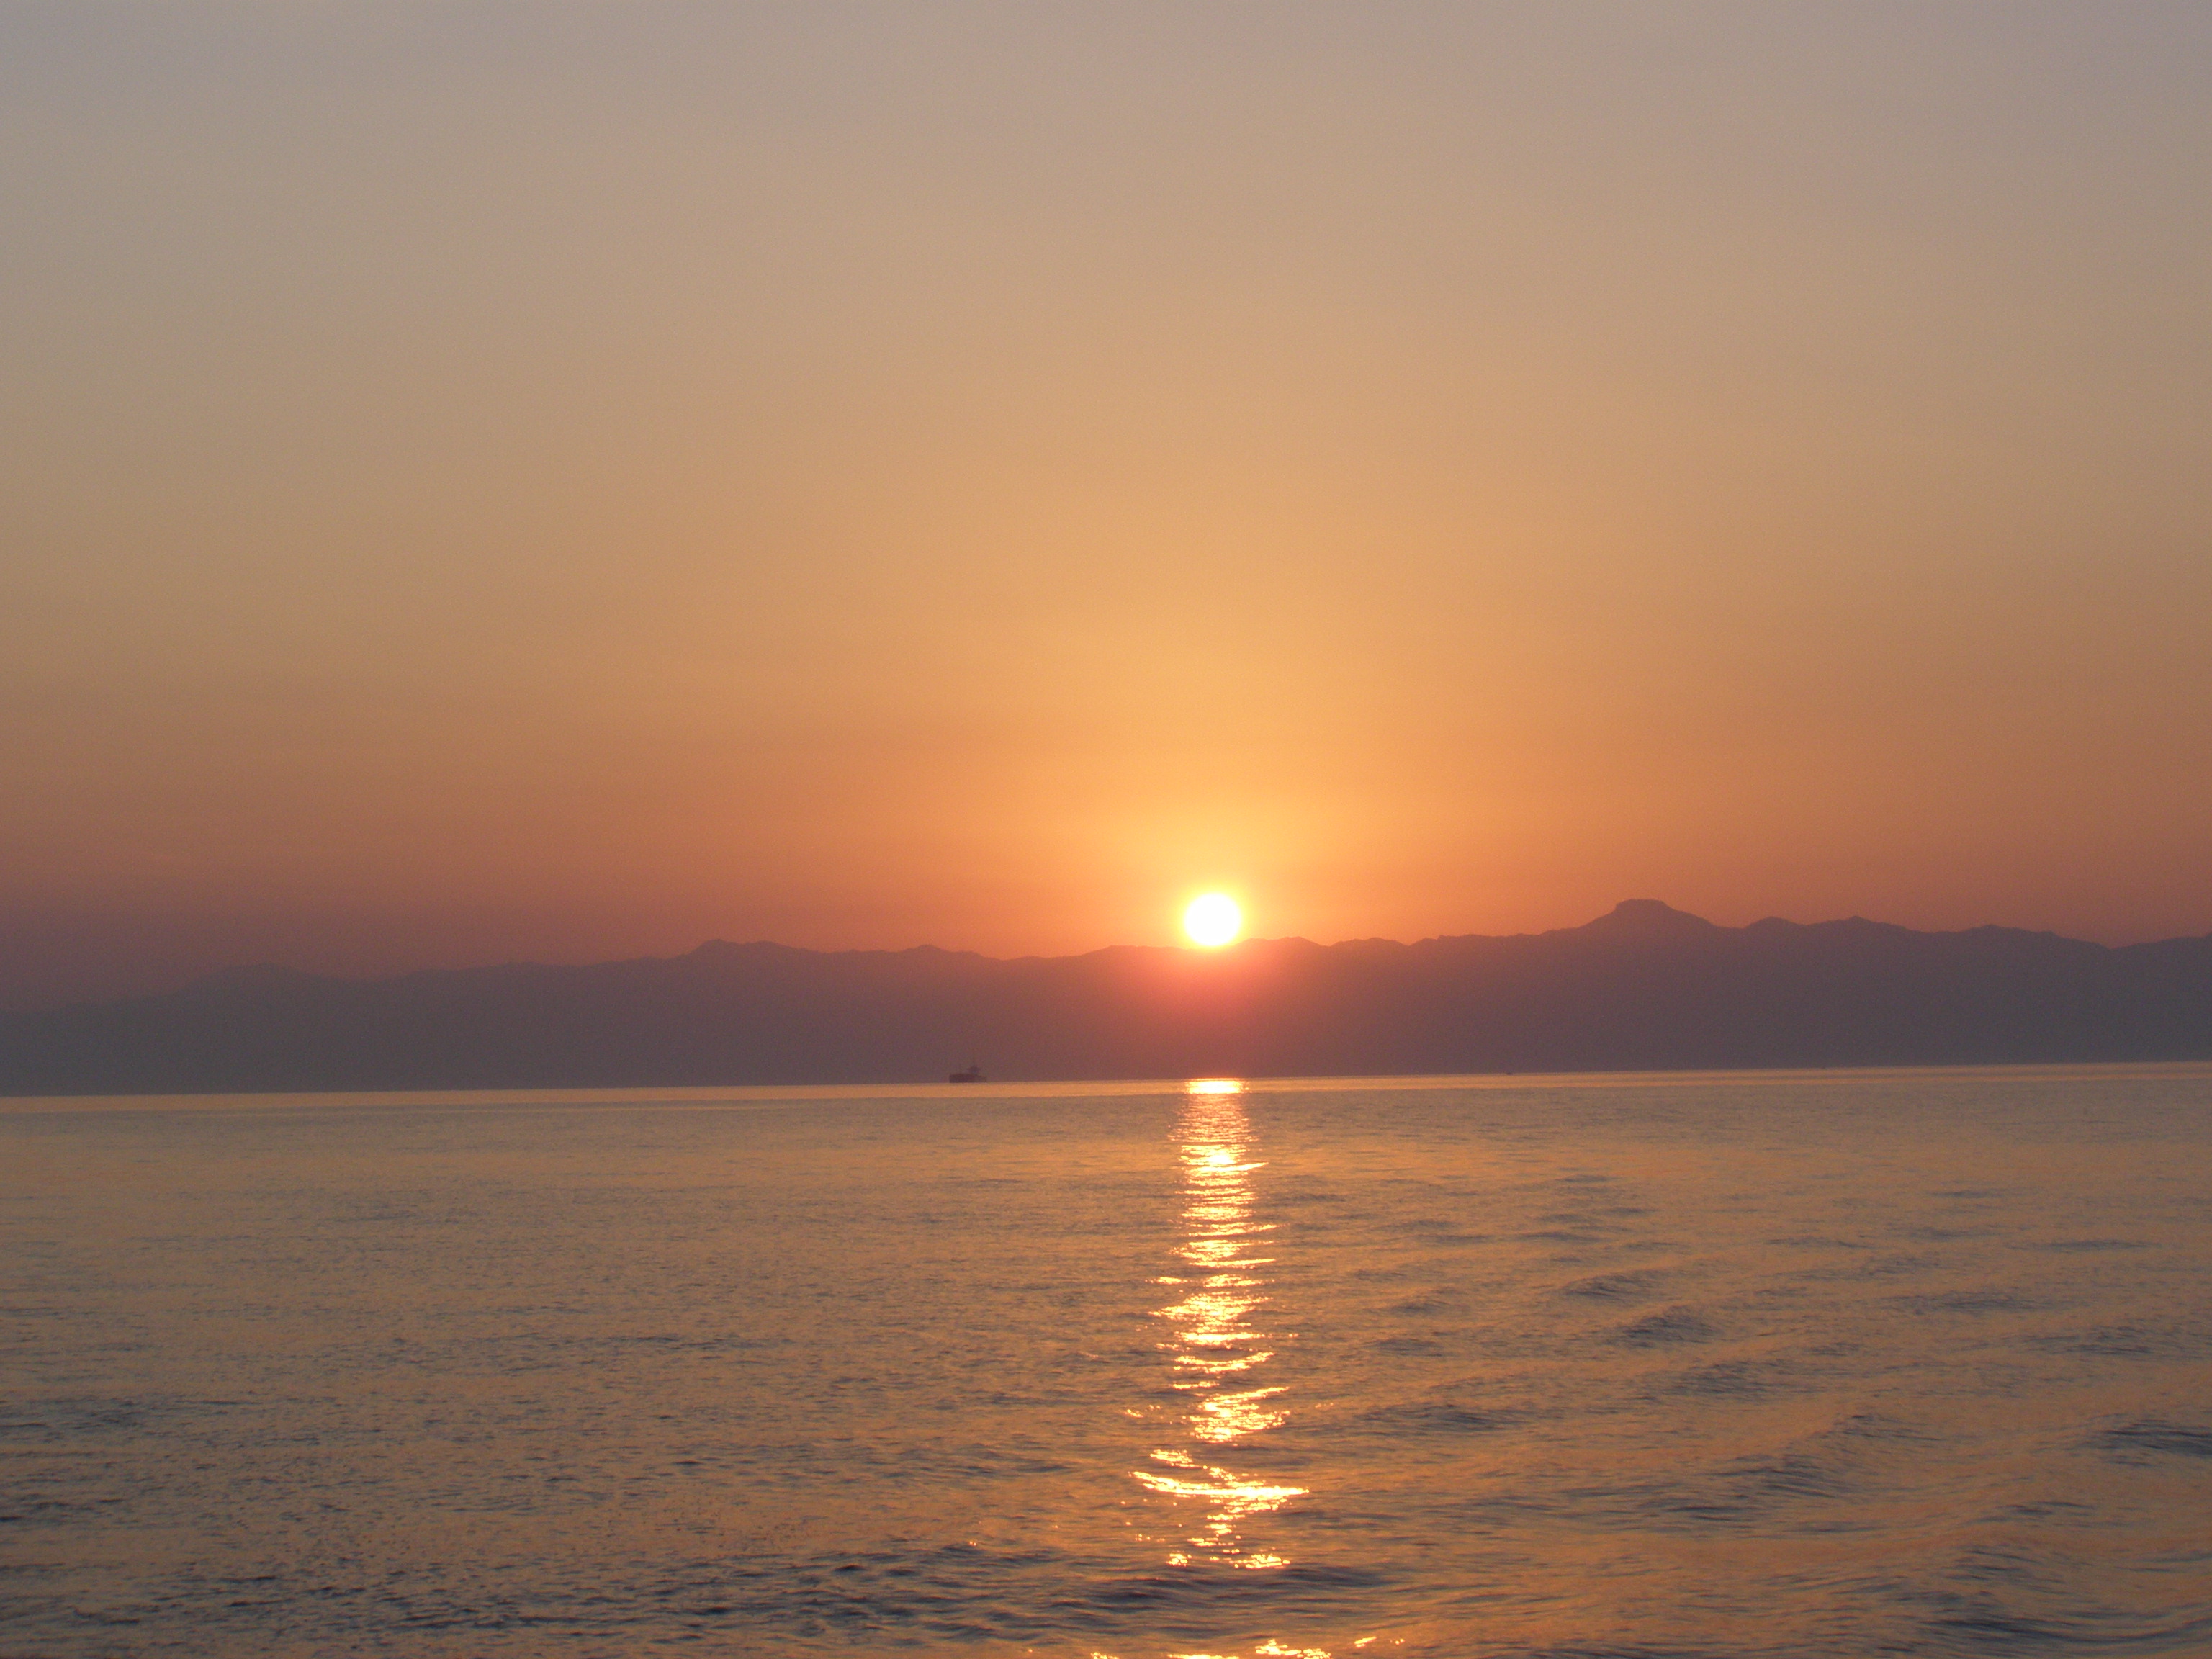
point(1213, 918)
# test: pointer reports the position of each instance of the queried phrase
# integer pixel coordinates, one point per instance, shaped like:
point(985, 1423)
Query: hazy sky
point(571, 480)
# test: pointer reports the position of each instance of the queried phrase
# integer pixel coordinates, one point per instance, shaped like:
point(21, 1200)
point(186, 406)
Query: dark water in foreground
point(1791, 1364)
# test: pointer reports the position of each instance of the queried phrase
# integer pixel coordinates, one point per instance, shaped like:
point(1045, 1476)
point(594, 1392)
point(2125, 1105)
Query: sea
point(1714, 1364)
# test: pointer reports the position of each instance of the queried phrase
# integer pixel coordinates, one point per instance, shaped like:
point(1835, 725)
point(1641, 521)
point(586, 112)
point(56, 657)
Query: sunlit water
point(1791, 1364)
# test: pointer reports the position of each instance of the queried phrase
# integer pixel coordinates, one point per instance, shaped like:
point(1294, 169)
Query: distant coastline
point(1643, 987)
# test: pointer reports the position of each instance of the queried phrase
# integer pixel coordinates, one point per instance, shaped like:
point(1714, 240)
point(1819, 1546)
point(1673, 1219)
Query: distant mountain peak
point(1649, 919)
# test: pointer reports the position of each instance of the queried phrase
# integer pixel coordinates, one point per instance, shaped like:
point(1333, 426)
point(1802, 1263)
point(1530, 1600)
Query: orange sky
point(571, 480)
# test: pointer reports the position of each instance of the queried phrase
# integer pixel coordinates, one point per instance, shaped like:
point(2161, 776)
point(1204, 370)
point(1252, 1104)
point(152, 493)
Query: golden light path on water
point(1218, 1353)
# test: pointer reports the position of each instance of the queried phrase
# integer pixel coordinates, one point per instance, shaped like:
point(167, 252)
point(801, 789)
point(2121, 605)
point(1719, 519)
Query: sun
point(1214, 918)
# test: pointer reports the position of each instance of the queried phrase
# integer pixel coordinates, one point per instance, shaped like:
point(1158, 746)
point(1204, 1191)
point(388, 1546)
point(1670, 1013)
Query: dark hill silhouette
point(1644, 987)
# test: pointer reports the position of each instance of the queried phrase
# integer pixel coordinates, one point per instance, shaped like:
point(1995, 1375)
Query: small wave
point(2132, 1342)
point(1675, 1325)
point(965, 1593)
point(2090, 1632)
point(1729, 1380)
point(1895, 1266)
point(1616, 1287)
point(2083, 1245)
point(2157, 1436)
point(1984, 1301)
point(1418, 1419)
point(1751, 1491)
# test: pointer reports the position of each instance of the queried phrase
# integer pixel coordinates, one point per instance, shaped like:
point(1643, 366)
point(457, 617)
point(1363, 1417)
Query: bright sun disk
point(1213, 918)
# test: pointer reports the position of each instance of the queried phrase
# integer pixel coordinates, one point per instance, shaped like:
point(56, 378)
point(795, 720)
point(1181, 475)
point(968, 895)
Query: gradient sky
point(563, 481)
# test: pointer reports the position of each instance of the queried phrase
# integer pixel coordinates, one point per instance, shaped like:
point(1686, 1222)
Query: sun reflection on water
point(1216, 1350)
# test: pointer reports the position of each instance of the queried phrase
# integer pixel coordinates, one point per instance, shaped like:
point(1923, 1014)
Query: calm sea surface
point(1768, 1365)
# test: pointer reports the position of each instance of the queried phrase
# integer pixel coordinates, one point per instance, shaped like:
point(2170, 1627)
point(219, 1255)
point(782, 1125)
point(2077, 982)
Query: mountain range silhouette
point(1643, 987)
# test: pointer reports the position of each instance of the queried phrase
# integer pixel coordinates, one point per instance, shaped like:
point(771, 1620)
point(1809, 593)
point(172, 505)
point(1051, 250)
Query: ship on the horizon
point(974, 1073)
